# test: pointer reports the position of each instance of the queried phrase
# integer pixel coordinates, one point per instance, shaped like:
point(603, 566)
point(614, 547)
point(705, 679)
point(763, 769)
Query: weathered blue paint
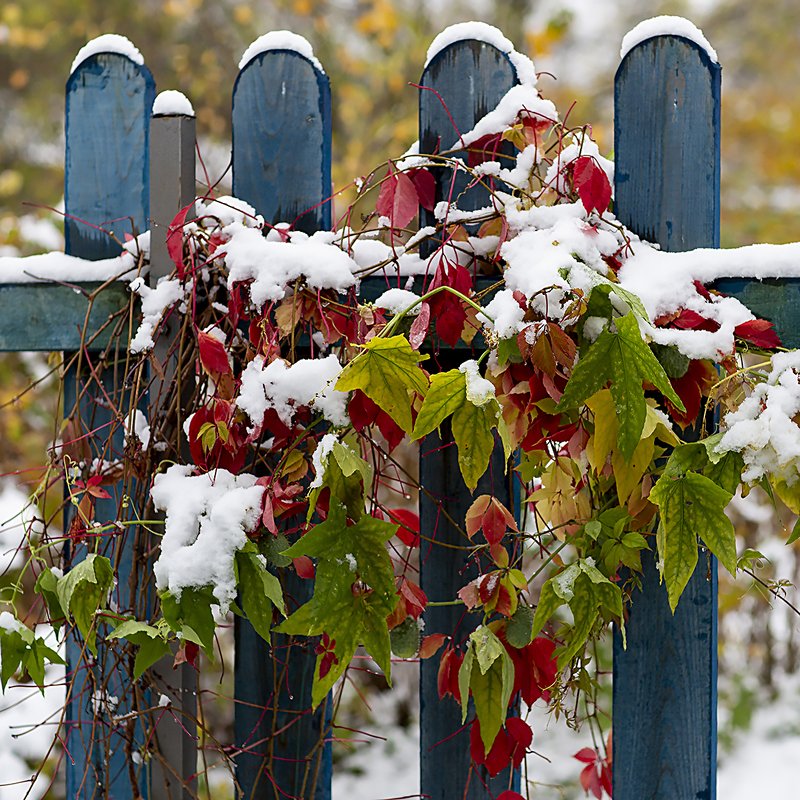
point(108, 105)
point(28, 322)
point(774, 299)
point(666, 145)
point(470, 77)
point(282, 166)
point(282, 139)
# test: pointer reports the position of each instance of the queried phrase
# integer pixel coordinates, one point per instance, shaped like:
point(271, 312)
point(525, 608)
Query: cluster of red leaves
point(596, 775)
point(402, 193)
point(535, 671)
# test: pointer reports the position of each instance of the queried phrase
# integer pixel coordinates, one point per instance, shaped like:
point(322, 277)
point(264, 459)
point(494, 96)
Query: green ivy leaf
point(626, 361)
point(150, 642)
point(691, 505)
point(387, 371)
point(259, 591)
point(192, 611)
point(491, 693)
point(84, 590)
point(447, 393)
point(354, 592)
point(472, 425)
point(47, 587)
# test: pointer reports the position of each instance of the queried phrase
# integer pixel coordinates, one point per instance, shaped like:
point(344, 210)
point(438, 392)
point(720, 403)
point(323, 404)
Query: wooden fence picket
point(281, 123)
point(108, 103)
point(468, 79)
point(666, 144)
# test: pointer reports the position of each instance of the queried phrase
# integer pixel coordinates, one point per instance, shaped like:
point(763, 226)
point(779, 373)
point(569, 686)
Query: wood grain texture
point(667, 190)
point(777, 300)
point(173, 774)
point(49, 317)
point(470, 77)
point(108, 103)
point(282, 139)
point(281, 166)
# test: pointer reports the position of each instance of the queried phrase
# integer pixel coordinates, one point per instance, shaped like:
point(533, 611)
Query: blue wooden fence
point(667, 189)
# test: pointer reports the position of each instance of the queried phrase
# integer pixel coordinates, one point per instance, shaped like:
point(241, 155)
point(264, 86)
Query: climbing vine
point(286, 375)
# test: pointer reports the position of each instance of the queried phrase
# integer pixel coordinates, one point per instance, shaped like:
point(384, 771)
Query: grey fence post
point(172, 188)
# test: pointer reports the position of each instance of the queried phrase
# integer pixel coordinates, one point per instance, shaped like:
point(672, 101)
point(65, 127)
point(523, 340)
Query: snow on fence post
point(281, 121)
point(172, 188)
point(667, 112)
point(468, 79)
point(108, 100)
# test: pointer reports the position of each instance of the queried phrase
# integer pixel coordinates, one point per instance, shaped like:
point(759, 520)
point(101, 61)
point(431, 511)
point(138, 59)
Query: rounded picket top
point(666, 139)
point(109, 97)
point(281, 121)
point(469, 68)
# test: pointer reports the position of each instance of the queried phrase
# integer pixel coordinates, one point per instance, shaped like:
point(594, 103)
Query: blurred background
point(372, 49)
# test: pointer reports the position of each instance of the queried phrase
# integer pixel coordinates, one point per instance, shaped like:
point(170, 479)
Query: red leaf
point(361, 410)
point(498, 757)
point(398, 199)
point(431, 644)
point(175, 239)
point(690, 388)
point(425, 185)
point(490, 516)
point(415, 598)
point(586, 755)
point(590, 781)
point(391, 431)
point(408, 532)
point(521, 738)
point(213, 355)
point(304, 567)
point(691, 320)
point(419, 328)
point(509, 795)
point(447, 677)
point(591, 184)
point(483, 149)
point(759, 332)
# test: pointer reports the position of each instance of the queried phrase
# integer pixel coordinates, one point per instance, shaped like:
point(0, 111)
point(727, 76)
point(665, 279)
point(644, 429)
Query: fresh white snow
point(280, 40)
point(172, 103)
point(208, 517)
point(666, 26)
point(107, 43)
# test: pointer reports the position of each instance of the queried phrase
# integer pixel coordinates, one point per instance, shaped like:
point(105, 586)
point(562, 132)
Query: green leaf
point(354, 591)
point(472, 432)
point(548, 603)
point(47, 587)
point(488, 648)
point(387, 371)
point(691, 505)
point(84, 590)
point(150, 642)
point(795, 535)
point(259, 591)
point(464, 678)
point(447, 393)
point(491, 692)
point(13, 649)
point(193, 610)
point(626, 361)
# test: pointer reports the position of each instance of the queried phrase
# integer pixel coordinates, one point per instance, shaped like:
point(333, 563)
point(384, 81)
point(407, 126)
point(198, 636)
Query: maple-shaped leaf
point(398, 199)
point(627, 362)
point(471, 424)
point(354, 592)
point(591, 183)
point(387, 371)
point(690, 505)
point(759, 332)
point(588, 593)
